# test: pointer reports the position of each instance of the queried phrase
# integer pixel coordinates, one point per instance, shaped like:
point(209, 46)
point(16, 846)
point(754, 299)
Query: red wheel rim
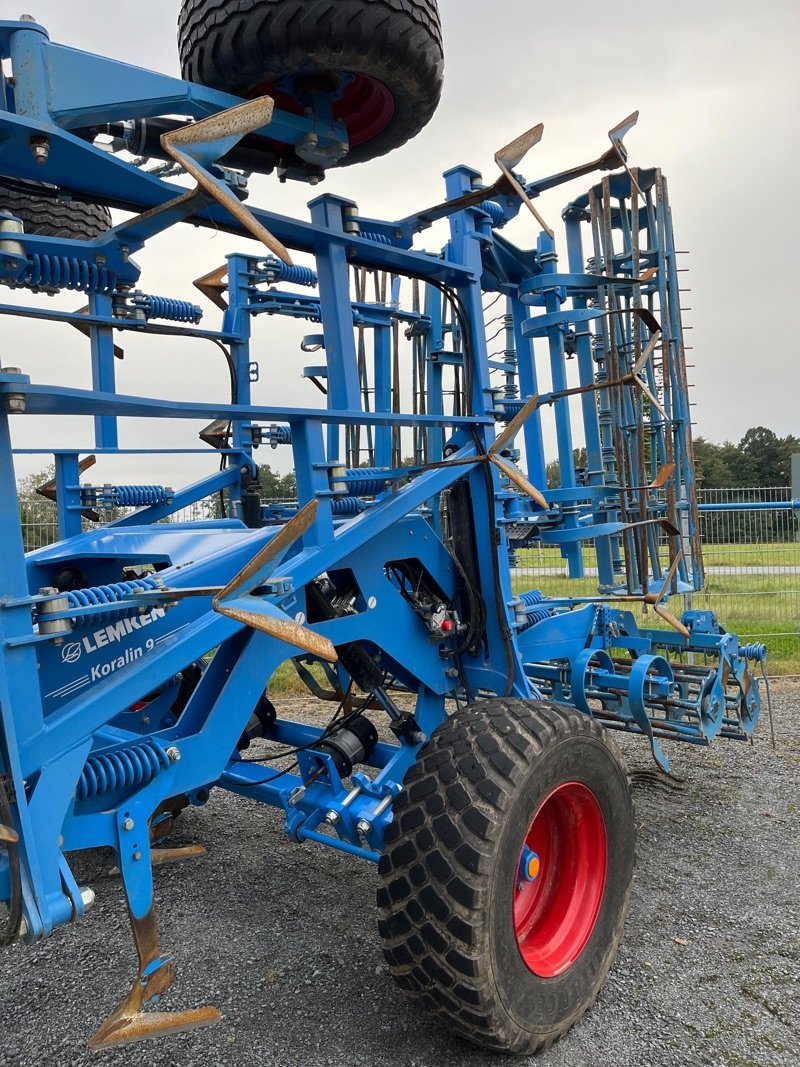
point(556, 912)
point(366, 106)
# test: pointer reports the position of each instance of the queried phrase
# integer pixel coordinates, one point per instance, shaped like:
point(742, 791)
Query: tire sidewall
point(556, 1002)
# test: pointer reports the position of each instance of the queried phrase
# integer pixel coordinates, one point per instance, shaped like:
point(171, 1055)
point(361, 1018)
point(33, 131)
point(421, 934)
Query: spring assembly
point(490, 283)
point(755, 653)
point(533, 599)
point(68, 272)
point(132, 496)
point(127, 768)
point(107, 594)
point(494, 211)
point(162, 307)
point(279, 271)
point(365, 481)
point(378, 238)
point(346, 505)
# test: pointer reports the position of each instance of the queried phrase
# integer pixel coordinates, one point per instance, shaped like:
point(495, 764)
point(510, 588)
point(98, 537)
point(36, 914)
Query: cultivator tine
point(129, 1022)
point(510, 157)
point(641, 362)
point(8, 836)
point(208, 140)
point(616, 136)
point(654, 599)
point(275, 623)
point(515, 425)
point(86, 330)
point(663, 476)
point(273, 550)
point(234, 601)
point(519, 479)
point(213, 285)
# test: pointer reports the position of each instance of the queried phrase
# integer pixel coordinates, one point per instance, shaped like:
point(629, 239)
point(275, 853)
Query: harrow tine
point(202, 143)
point(652, 344)
point(129, 1022)
point(663, 476)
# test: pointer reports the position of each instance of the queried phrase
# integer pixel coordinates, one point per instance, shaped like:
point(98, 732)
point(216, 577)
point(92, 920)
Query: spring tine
point(641, 362)
point(616, 136)
point(663, 476)
point(521, 193)
point(129, 1022)
point(513, 154)
point(653, 400)
point(519, 480)
point(281, 627)
point(515, 425)
point(279, 544)
point(213, 285)
point(673, 621)
point(203, 142)
point(8, 836)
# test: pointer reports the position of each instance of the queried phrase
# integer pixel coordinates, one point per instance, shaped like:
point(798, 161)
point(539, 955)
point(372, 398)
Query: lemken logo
point(71, 653)
point(117, 631)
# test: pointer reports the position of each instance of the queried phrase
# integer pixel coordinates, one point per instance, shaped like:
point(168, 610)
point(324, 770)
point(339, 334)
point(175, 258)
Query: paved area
point(283, 940)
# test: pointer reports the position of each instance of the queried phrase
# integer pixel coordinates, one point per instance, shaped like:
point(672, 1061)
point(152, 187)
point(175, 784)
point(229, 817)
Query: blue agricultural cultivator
point(468, 748)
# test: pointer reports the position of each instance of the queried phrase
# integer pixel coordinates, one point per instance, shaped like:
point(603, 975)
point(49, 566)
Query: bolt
point(332, 818)
point(363, 828)
point(27, 18)
point(173, 754)
point(128, 824)
point(137, 856)
point(40, 147)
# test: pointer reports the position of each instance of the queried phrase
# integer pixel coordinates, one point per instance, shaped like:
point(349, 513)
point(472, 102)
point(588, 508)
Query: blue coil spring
point(365, 481)
point(107, 594)
point(162, 307)
point(127, 768)
point(346, 505)
point(756, 653)
point(68, 272)
point(498, 216)
point(378, 238)
point(294, 275)
point(136, 496)
point(533, 599)
point(490, 282)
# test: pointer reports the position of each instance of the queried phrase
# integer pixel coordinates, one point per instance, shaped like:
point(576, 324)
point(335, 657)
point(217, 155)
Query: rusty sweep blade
point(129, 1021)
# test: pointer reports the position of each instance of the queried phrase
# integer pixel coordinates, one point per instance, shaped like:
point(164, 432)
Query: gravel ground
point(283, 940)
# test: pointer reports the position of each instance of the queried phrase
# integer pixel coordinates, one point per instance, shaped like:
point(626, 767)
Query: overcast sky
point(718, 88)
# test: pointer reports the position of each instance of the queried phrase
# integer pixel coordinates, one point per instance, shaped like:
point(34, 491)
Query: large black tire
point(450, 899)
point(50, 217)
point(392, 47)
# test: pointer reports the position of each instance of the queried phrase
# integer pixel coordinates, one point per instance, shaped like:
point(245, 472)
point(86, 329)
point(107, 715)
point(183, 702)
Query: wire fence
point(752, 559)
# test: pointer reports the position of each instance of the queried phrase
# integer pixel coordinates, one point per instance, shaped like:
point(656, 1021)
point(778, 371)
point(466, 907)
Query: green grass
point(757, 607)
point(769, 554)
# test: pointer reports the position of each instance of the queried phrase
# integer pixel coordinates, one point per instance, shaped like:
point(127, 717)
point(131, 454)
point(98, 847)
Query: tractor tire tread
point(435, 868)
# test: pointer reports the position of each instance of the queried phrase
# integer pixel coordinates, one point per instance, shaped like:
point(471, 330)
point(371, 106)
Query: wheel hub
point(560, 880)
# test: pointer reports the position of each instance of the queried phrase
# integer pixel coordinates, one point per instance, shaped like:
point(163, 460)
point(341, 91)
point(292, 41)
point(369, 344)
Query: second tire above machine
point(380, 63)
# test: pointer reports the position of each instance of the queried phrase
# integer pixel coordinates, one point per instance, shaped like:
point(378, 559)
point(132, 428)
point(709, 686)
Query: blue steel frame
point(90, 744)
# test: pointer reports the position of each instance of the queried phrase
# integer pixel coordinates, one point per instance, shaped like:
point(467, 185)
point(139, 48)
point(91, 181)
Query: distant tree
point(553, 470)
point(769, 456)
point(276, 487)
